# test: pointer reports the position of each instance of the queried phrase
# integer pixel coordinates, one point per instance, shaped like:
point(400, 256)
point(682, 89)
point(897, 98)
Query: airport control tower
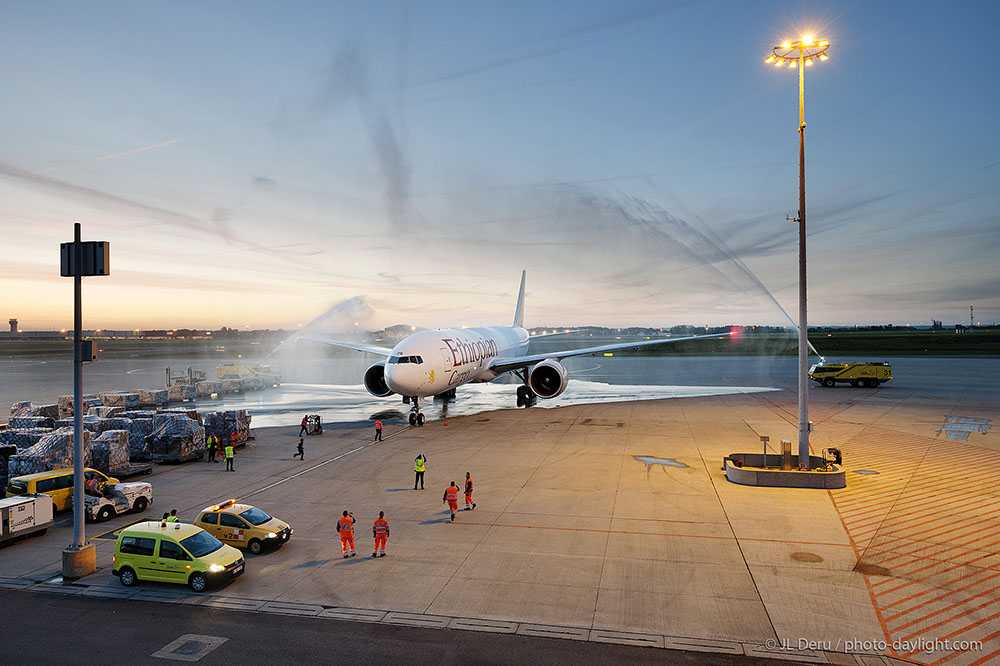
point(13, 325)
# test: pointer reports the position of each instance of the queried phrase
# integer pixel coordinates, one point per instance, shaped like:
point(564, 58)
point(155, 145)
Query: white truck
point(119, 498)
point(24, 515)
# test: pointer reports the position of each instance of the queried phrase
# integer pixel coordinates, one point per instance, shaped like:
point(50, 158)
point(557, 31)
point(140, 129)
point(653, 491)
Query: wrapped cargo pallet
point(53, 450)
point(182, 392)
point(207, 388)
point(222, 425)
point(232, 385)
point(177, 438)
point(110, 451)
point(65, 405)
point(252, 384)
point(139, 414)
point(50, 411)
point(119, 399)
point(190, 413)
point(116, 423)
point(23, 439)
point(138, 431)
point(89, 422)
point(22, 422)
point(23, 409)
point(154, 398)
point(107, 412)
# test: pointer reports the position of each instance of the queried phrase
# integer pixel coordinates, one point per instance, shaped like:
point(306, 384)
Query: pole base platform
point(767, 473)
point(79, 562)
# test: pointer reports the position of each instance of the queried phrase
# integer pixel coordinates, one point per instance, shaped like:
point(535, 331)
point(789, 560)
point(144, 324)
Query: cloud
point(346, 83)
point(114, 155)
point(265, 183)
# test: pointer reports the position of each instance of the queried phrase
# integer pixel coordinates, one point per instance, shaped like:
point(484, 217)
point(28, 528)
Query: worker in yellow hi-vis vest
point(230, 452)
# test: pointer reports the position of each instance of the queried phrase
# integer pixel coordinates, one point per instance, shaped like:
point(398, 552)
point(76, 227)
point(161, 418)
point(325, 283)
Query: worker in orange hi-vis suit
point(380, 530)
point(451, 497)
point(346, 528)
point(469, 504)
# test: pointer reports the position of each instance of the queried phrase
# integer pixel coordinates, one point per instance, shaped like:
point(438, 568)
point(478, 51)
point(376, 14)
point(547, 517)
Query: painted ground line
point(956, 633)
point(943, 506)
point(932, 600)
point(950, 619)
point(904, 530)
point(954, 565)
point(928, 616)
point(931, 586)
point(905, 512)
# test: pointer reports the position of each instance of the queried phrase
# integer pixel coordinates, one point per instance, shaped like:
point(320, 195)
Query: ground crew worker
point(304, 430)
point(418, 467)
point(165, 516)
point(301, 451)
point(468, 493)
point(346, 528)
point(213, 446)
point(92, 486)
point(228, 455)
point(234, 437)
point(378, 430)
point(380, 530)
point(451, 497)
point(172, 518)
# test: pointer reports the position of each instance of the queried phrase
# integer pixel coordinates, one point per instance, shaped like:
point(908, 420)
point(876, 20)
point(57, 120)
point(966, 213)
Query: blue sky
point(255, 163)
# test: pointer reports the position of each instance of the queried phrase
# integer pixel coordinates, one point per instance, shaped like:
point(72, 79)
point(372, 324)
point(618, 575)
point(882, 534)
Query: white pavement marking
point(417, 620)
point(492, 626)
point(353, 614)
point(550, 631)
point(189, 647)
point(315, 467)
point(626, 638)
point(291, 608)
point(702, 645)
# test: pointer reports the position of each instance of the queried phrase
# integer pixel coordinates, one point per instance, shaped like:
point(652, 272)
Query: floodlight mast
point(801, 54)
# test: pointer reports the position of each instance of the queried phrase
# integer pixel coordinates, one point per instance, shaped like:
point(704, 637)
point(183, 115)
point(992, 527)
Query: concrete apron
point(573, 528)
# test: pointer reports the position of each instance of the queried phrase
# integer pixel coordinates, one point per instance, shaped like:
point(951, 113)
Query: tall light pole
point(78, 260)
point(801, 54)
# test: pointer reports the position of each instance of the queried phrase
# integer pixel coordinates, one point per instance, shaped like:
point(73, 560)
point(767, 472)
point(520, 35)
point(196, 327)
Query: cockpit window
point(405, 359)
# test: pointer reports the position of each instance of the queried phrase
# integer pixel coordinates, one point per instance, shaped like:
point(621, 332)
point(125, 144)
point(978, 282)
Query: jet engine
point(548, 379)
point(375, 381)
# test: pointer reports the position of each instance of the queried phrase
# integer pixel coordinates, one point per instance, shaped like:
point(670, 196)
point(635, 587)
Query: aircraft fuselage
point(432, 362)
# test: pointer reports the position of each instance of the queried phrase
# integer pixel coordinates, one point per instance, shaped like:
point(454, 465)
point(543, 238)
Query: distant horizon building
point(13, 325)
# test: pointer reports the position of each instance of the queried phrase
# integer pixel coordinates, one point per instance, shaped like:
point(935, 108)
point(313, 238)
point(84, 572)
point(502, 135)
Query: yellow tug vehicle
point(863, 375)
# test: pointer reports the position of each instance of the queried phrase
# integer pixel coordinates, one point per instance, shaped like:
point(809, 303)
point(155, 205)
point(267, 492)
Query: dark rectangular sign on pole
point(96, 259)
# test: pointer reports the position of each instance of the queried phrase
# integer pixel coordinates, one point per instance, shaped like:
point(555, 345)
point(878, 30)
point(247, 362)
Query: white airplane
point(433, 363)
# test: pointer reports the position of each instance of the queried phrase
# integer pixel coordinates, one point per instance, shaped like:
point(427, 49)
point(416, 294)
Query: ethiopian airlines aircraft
point(432, 363)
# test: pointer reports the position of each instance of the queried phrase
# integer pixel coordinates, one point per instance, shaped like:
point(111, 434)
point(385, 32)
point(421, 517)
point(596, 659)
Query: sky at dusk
point(257, 163)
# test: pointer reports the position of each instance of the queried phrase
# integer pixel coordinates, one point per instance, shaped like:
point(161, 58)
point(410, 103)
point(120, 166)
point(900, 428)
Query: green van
point(174, 553)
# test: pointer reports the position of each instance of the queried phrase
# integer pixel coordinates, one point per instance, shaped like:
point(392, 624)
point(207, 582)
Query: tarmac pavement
point(573, 531)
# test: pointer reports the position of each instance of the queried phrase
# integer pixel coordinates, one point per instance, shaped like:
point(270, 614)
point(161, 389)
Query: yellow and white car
point(243, 526)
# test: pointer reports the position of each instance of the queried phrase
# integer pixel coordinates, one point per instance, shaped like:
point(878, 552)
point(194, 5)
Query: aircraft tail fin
point(519, 311)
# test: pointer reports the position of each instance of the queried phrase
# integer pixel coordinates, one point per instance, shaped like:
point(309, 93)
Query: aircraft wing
point(370, 349)
point(507, 364)
point(549, 335)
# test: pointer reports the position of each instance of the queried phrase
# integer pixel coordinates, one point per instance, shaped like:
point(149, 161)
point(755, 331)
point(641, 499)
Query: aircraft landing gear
point(525, 396)
point(416, 417)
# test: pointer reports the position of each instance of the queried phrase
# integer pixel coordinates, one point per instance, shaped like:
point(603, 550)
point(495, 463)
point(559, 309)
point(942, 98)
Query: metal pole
point(79, 538)
point(803, 325)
